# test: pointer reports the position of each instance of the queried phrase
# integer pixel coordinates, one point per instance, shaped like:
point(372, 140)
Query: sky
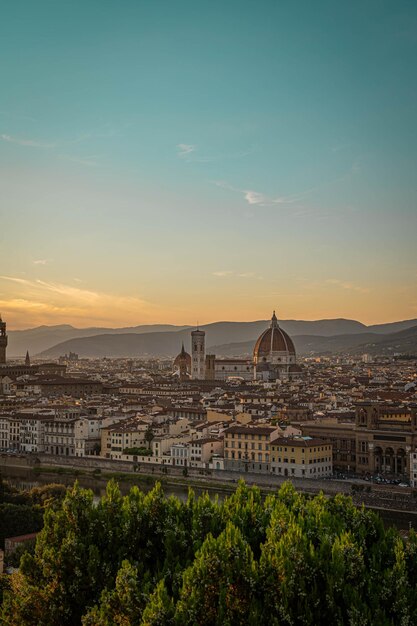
point(174, 161)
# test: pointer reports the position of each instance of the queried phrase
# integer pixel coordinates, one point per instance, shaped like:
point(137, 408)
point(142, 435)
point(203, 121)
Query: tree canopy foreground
point(145, 559)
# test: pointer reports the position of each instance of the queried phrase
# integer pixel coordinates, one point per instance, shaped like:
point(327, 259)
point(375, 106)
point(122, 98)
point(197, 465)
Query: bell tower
point(198, 354)
point(3, 342)
point(183, 364)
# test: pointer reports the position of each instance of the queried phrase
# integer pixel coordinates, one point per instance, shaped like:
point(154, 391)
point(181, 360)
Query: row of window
point(310, 461)
point(283, 449)
point(240, 447)
point(313, 470)
point(50, 439)
point(246, 436)
point(245, 457)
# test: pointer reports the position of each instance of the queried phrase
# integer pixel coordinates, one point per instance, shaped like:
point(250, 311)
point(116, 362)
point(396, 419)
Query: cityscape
point(353, 417)
point(208, 313)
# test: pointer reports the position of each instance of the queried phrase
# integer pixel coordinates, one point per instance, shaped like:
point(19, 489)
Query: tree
point(160, 609)
point(121, 606)
point(218, 589)
point(147, 560)
point(18, 520)
point(149, 436)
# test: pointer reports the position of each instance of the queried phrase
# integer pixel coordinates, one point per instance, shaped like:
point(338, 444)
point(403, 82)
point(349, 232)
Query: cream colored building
point(87, 435)
point(32, 431)
point(161, 446)
point(4, 432)
point(298, 457)
point(116, 438)
point(60, 437)
point(196, 453)
point(247, 448)
point(202, 450)
point(180, 426)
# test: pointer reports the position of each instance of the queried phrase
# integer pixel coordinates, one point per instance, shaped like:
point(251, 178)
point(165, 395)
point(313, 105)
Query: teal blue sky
point(172, 160)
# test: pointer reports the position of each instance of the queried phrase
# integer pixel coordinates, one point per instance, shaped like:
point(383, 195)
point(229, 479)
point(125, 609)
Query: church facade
point(274, 359)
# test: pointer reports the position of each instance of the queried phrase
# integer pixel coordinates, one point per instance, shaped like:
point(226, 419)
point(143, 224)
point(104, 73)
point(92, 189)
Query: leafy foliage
point(138, 451)
point(148, 560)
point(19, 519)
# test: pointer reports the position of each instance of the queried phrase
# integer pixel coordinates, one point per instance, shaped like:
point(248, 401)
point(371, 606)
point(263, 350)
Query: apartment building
point(247, 448)
point(128, 433)
point(341, 435)
point(299, 457)
point(32, 428)
point(60, 436)
point(87, 435)
point(202, 450)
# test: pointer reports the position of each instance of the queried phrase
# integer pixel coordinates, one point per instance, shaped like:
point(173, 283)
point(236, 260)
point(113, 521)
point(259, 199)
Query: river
point(27, 478)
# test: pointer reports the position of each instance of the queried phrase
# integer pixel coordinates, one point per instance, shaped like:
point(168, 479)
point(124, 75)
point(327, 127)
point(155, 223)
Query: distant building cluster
point(273, 359)
point(271, 415)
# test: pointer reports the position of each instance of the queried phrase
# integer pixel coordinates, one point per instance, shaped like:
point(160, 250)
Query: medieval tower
point(198, 354)
point(3, 342)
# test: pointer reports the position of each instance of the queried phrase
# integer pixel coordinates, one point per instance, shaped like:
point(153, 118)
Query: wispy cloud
point(184, 149)
point(226, 273)
point(14, 279)
point(258, 198)
point(40, 262)
point(31, 143)
point(347, 285)
point(58, 301)
point(85, 160)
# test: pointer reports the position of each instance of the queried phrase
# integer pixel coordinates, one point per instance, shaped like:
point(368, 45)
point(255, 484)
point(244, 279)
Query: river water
point(26, 478)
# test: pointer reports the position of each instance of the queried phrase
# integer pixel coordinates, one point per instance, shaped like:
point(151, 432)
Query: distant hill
point(304, 344)
point(240, 338)
point(392, 327)
point(43, 337)
point(39, 339)
point(404, 342)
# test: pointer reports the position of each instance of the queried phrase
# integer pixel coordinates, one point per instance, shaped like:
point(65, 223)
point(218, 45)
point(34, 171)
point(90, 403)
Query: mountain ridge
point(404, 341)
point(168, 344)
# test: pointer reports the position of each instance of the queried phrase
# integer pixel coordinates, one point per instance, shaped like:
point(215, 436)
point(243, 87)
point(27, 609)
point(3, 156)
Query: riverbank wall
point(373, 496)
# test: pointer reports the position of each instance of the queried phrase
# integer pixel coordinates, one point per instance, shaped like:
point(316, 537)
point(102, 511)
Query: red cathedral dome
point(183, 356)
point(273, 339)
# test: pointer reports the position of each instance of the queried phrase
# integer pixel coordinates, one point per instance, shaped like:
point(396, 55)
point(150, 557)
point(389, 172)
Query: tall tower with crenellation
point(3, 342)
point(198, 354)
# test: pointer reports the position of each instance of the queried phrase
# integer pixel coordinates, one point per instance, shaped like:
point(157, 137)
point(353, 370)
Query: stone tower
point(211, 367)
point(183, 366)
point(27, 359)
point(198, 354)
point(3, 342)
